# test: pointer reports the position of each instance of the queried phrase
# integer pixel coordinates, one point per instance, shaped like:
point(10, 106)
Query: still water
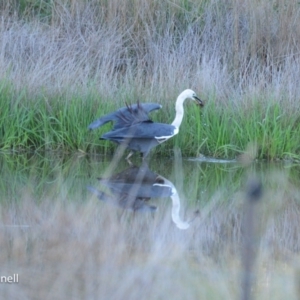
point(67, 221)
point(180, 185)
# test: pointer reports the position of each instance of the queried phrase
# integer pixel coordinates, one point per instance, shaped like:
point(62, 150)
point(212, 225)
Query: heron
point(133, 188)
point(136, 131)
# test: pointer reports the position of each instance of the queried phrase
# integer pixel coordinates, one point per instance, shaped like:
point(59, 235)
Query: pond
point(173, 220)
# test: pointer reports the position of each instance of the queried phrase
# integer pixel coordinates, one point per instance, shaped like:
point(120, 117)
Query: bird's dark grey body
point(141, 137)
point(134, 129)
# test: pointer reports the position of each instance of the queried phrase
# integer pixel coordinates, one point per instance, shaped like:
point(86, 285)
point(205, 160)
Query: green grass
point(60, 124)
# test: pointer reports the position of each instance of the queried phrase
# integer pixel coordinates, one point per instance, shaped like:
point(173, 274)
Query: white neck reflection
point(175, 205)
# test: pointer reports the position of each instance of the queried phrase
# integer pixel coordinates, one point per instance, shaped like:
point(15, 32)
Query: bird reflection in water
point(132, 189)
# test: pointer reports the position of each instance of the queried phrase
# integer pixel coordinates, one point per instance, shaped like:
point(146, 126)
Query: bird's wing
point(142, 131)
point(103, 120)
point(149, 107)
point(127, 116)
point(134, 114)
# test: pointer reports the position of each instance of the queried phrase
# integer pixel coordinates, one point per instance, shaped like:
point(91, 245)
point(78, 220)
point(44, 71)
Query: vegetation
point(65, 63)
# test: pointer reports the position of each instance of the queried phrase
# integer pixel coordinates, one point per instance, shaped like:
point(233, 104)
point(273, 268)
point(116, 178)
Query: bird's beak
point(198, 101)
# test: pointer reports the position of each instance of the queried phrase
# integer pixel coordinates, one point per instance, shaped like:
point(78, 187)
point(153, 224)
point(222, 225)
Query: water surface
point(175, 222)
point(59, 177)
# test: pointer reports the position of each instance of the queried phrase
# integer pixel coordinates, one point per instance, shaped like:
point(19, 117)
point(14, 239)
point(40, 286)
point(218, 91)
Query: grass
point(65, 63)
point(62, 241)
point(44, 124)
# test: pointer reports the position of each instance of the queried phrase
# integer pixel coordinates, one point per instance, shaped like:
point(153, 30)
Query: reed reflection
point(133, 188)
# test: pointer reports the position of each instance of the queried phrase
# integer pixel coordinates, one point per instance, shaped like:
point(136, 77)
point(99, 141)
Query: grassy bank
point(46, 124)
point(65, 63)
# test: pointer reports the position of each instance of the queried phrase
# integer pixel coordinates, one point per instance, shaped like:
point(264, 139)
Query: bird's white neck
point(179, 110)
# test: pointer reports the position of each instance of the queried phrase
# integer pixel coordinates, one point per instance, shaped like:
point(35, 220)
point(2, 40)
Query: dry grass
point(235, 50)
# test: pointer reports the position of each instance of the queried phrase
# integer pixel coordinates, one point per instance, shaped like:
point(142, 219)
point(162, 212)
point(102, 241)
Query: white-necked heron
point(134, 129)
point(132, 189)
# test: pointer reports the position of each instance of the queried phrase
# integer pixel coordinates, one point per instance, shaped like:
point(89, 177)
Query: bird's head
point(192, 95)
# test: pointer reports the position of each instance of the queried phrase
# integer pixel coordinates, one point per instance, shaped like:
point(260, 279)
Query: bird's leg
point(129, 155)
point(129, 162)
